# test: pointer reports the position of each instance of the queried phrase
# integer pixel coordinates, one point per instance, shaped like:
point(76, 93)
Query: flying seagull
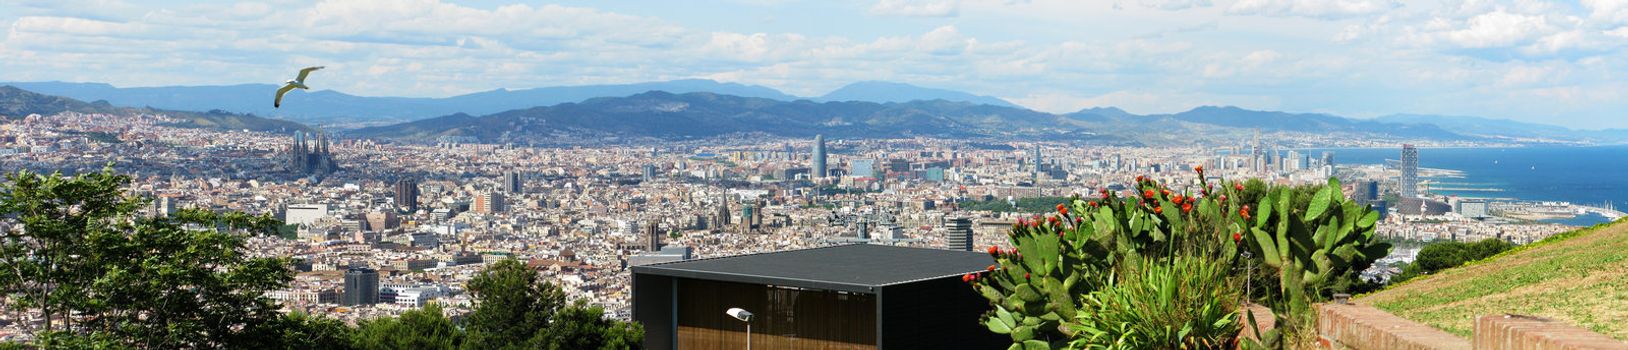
point(291, 84)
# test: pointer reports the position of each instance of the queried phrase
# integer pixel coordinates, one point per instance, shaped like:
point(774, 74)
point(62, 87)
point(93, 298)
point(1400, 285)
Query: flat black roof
point(854, 268)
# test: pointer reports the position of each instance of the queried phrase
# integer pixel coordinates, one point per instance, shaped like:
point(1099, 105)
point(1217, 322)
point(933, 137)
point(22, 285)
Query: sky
point(1563, 63)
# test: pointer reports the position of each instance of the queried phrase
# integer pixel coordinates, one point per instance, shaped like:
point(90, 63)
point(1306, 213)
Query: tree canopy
point(77, 251)
point(80, 255)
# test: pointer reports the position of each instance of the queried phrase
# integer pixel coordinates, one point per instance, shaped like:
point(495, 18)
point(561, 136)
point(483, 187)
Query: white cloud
point(1332, 9)
point(916, 8)
point(1528, 75)
point(1498, 29)
point(945, 40)
point(78, 27)
point(1620, 32)
point(1611, 11)
point(1173, 5)
point(1527, 56)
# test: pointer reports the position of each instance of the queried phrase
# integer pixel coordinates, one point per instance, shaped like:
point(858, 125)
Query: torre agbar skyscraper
point(818, 165)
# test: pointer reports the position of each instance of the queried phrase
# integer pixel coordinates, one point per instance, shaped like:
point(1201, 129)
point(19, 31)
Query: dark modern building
point(512, 183)
point(407, 195)
point(361, 286)
point(842, 297)
point(1367, 191)
point(958, 234)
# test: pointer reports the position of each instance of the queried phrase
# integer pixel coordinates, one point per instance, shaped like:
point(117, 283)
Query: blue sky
point(1551, 62)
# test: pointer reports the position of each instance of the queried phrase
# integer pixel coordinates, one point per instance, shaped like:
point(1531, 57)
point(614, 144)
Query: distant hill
point(327, 106)
point(1575, 277)
point(1508, 128)
point(1102, 112)
point(17, 103)
point(695, 115)
point(1309, 122)
point(882, 92)
point(664, 115)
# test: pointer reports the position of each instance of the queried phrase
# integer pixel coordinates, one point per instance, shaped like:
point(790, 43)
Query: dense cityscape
point(378, 228)
point(833, 175)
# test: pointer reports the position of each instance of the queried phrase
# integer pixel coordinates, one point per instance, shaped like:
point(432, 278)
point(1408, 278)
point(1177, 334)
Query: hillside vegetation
point(1580, 277)
point(19, 103)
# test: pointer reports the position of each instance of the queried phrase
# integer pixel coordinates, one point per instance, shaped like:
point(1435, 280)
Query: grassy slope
point(1580, 277)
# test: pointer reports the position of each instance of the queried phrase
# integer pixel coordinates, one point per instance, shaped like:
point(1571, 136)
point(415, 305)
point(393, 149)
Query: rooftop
point(854, 268)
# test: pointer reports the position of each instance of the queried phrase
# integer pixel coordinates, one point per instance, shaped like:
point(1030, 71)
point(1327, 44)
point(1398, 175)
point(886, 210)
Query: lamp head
point(740, 314)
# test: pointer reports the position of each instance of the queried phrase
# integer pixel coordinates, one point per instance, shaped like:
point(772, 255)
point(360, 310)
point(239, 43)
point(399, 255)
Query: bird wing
point(278, 103)
point(305, 72)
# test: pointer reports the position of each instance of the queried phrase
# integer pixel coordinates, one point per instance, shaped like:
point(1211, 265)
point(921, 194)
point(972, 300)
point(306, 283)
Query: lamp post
point(744, 316)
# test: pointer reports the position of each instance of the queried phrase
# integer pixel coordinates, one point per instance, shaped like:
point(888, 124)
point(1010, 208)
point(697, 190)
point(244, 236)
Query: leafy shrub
point(1439, 256)
point(1077, 277)
point(1184, 302)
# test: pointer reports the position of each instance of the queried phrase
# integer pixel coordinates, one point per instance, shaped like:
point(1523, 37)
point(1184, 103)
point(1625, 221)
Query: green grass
point(1580, 277)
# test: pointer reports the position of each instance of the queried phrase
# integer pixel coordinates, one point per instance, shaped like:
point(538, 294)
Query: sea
point(1591, 176)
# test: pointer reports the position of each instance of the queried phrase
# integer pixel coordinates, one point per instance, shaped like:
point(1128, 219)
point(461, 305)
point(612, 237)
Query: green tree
point(516, 309)
point(422, 329)
point(580, 326)
point(100, 273)
point(512, 305)
point(307, 332)
point(1439, 256)
point(1486, 248)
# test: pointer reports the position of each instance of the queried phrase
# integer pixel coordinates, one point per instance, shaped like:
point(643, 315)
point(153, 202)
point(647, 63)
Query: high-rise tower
point(958, 234)
point(1409, 181)
point(1034, 169)
point(489, 202)
point(407, 194)
point(818, 165)
point(361, 286)
point(512, 183)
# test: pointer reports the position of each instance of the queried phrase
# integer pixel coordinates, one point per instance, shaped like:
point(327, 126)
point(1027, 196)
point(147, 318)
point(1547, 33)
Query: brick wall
point(1364, 327)
point(1526, 332)
point(1347, 326)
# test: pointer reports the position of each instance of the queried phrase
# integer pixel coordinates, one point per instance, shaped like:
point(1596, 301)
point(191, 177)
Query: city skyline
point(1534, 62)
point(797, 174)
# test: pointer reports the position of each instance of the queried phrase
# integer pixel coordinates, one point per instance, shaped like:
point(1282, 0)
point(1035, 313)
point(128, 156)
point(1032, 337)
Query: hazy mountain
point(1102, 112)
point(881, 91)
point(17, 103)
point(1509, 128)
point(697, 109)
point(327, 106)
point(695, 115)
point(1310, 123)
point(698, 115)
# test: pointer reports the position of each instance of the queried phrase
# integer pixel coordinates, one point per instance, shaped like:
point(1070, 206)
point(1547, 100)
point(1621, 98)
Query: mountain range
point(1509, 128)
point(664, 115)
point(337, 108)
point(684, 109)
point(18, 103)
point(660, 114)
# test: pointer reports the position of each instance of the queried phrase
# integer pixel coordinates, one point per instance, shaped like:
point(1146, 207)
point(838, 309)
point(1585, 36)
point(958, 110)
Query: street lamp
point(744, 316)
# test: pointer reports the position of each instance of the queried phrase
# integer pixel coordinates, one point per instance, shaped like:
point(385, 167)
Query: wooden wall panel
point(784, 318)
